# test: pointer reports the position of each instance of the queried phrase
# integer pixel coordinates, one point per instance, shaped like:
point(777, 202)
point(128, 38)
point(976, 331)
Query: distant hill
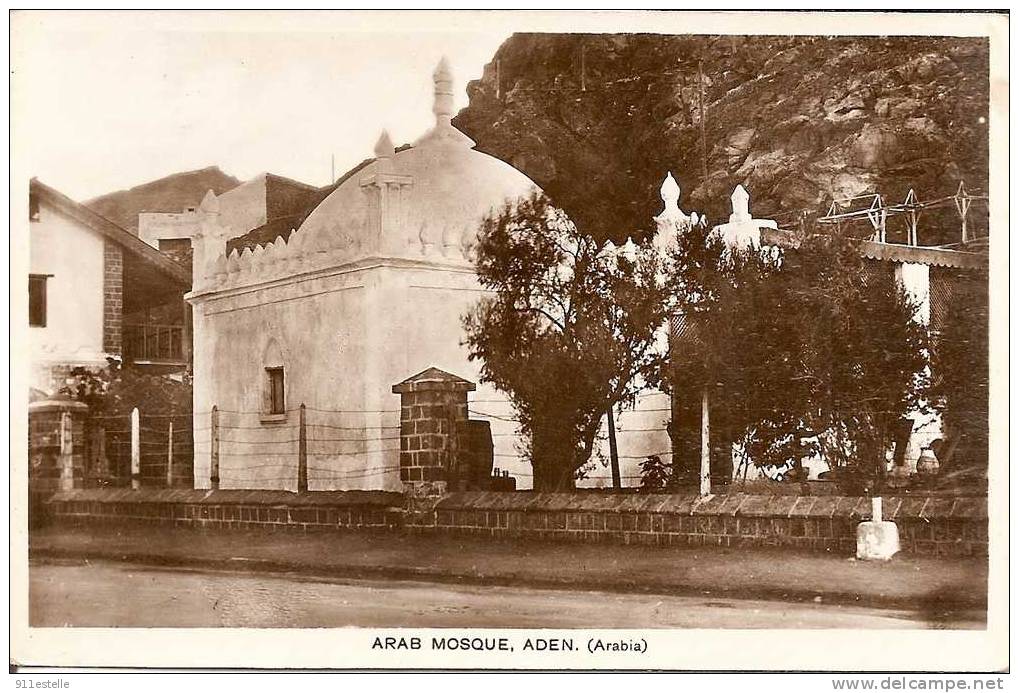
point(170, 194)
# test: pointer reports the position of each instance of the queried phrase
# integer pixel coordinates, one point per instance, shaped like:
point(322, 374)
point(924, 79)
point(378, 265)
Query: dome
point(428, 200)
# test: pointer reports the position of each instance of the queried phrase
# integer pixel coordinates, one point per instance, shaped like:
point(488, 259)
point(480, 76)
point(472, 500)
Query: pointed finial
point(443, 72)
point(671, 217)
point(740, 199)
point(670, 191)
point(210, 203)
point(629, 249)
point(384, 147)
point(443, 77)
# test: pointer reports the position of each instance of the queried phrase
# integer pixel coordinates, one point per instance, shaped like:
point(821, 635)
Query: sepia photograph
point(561, 340)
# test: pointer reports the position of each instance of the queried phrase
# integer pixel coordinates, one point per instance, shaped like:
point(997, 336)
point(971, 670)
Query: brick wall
point(229, 509)
point(927, 525)
point(427, 434)
point(113, 297)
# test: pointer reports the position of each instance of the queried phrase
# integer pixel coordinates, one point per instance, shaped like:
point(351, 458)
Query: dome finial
point(670, 191)
point(740, 199)
point(384, 147)
point(443, 106)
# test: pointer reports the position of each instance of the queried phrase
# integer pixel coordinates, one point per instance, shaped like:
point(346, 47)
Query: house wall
point(153, 226)
point(240, 209)
point(243, 208)
point(75, 299)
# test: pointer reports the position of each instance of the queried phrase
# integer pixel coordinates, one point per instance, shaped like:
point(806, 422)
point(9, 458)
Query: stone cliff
point(597, 120)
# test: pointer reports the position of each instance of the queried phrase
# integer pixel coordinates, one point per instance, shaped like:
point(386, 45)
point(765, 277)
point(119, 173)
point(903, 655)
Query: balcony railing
point(150, 343)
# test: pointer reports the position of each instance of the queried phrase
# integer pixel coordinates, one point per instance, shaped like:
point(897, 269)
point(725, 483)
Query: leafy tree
point(655, 474)
point(865, 357)
point(961, 388)
point(805, 351)
point(570, 329)
point(117, 390)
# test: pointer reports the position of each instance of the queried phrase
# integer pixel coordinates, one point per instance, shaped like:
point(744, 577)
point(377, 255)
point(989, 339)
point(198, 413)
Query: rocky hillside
point(170, 194)
point(597, 120)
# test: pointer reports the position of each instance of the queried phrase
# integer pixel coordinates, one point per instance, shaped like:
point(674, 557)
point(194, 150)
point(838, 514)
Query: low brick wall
point(229, 509)
point(933, 526)
point(927, 525)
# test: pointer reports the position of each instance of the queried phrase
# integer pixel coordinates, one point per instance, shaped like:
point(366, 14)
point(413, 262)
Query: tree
point(865, 355)
point(961, 388)
point(808, 350)
point(735, 345)
point(570, 329)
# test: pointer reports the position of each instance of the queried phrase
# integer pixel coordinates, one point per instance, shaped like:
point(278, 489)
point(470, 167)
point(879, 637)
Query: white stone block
point(876, 541)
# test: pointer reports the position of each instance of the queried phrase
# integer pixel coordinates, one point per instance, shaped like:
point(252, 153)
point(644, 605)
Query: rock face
point(597, 120)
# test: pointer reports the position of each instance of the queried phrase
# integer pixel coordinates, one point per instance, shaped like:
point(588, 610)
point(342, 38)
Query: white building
point(88, 278)
point(263, 200)
point(369, 290)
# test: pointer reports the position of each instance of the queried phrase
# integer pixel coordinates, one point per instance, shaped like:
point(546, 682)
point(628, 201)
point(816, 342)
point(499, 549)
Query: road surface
point(108, 594)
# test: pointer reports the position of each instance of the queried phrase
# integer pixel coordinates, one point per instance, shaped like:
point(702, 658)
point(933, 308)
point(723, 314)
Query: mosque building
point(368, 290)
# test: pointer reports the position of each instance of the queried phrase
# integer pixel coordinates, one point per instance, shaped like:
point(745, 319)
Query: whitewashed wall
point(73, 254)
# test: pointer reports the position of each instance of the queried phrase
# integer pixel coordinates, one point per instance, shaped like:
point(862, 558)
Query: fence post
point(169, 455)
point(214, 449)
point(136, 458)
point(302, 453)
point(66, 452)
point(617, 483)
point(101, 468)
point(705, 485)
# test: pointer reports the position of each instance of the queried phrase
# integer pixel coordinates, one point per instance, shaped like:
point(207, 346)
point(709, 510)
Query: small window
point(37, 300)
point(174, 245)
point(33, 207)
point(277, 403)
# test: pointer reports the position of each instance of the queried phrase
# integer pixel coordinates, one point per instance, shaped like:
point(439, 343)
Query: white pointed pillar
point(136, 457)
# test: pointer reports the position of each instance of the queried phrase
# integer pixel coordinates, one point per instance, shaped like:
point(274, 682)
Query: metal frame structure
point(877, 212)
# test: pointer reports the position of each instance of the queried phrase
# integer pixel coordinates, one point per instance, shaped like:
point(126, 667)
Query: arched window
point(274, 388)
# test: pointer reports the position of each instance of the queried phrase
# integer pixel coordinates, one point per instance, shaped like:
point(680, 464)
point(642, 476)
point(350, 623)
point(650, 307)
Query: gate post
point(433, 410)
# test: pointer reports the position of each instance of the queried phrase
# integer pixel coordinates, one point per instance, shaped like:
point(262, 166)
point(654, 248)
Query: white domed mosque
point(367, 291)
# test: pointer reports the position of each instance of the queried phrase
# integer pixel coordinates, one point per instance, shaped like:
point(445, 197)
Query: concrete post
point(136, 457)
point(877, 539)
point(169, 456)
